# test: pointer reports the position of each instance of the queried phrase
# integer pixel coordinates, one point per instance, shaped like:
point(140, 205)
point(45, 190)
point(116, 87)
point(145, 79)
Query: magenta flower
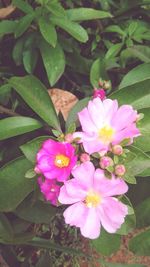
point(103, 123)
point(55, 160)
point(91, 194)
point(50, 190)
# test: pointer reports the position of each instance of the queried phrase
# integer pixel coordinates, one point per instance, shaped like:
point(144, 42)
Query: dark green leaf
point(131, 85)
point(81, 13)
point(38, 212)
point(140, 244)
point(31, 148)
point(14, 126)
point(74, 29)
point(37, 97)
point(7, 26)
point(54, 61)
point(48, 31)
point(30, 174)
point(123, 265)
point(113, 51)
point(23, 24)
point(6, 230)
point(141, 52)
point(115, 28)
point(97, 71)
point(143, 213)
point(5, 91)
point(72, 117)
point(14, 186)
point(17, 53)
point(107, 243)
point(23, 6)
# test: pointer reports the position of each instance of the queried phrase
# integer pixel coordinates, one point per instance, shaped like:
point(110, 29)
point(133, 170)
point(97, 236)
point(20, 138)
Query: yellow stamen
point(106, 134)
point(61, 161)
point(92, 199)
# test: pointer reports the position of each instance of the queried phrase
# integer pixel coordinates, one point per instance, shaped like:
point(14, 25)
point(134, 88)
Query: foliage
point(69, 45)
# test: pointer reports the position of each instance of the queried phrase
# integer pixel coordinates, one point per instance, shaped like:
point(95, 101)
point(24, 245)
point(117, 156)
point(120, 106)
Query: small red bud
point(99, 92)
point(69, 137)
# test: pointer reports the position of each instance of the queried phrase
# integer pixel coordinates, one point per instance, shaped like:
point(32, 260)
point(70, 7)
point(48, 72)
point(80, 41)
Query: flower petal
point(84, 173)
point(112, 214)
point(65, 197)
point(109, 187)
point(75, 214)
point(86, 121)
point(129, 132)
point(96, 112)
point(123, 117)
point(91, 225)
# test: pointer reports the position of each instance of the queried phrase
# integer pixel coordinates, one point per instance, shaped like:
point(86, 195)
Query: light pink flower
point(55, 160)
point(50, 190)
point(91, 194)
point(103, 123)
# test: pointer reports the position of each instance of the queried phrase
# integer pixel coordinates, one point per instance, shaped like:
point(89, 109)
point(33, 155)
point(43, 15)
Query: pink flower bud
point(117, 150)
point(99, 93)
point(106, 162)
point(36, 169)
point(84, 157)
point(69, 138)
point(120, 170)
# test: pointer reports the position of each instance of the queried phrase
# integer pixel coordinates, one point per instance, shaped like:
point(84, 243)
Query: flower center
point(106, 134)
point(61, 161)
point(92, 199)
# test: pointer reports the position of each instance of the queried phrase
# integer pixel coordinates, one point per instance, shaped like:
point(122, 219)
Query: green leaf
point(130, 88)
point(23, 6)
point(14, 126)
point(31, 148)
point(37, 97)
point(30, 174)
point(138, 164)
point(30, 54)
point(142, 212)
point(138, 74)
point(5, 92)
point(73, 116)
point(74, 29)
point(141, 52)
point(56, 8)
point(6, 230)
point(115, 28)
point(7, 26)
point(81, 14)
point(17, 53)
point(113, 51)
point(143, 141)
point(38, 212)
point(107, 243)
point(48, 31)
point(54, 61)
point(14, 186)
point(140, 244)
point(97, 71)
point(23, 24)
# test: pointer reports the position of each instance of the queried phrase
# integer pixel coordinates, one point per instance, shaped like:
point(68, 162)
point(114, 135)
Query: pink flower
point(99, 93)
point(103, 123)
point(50, 190)
point(91, 194)
point(55, 160)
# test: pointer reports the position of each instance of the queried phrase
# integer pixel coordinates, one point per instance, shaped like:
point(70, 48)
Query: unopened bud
point(36, 169)
point(107, 85)
point(117, 150)
point(106, 162)
point(69, 138)
point(99, 93)
point(84, 157)
point(120, 170)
